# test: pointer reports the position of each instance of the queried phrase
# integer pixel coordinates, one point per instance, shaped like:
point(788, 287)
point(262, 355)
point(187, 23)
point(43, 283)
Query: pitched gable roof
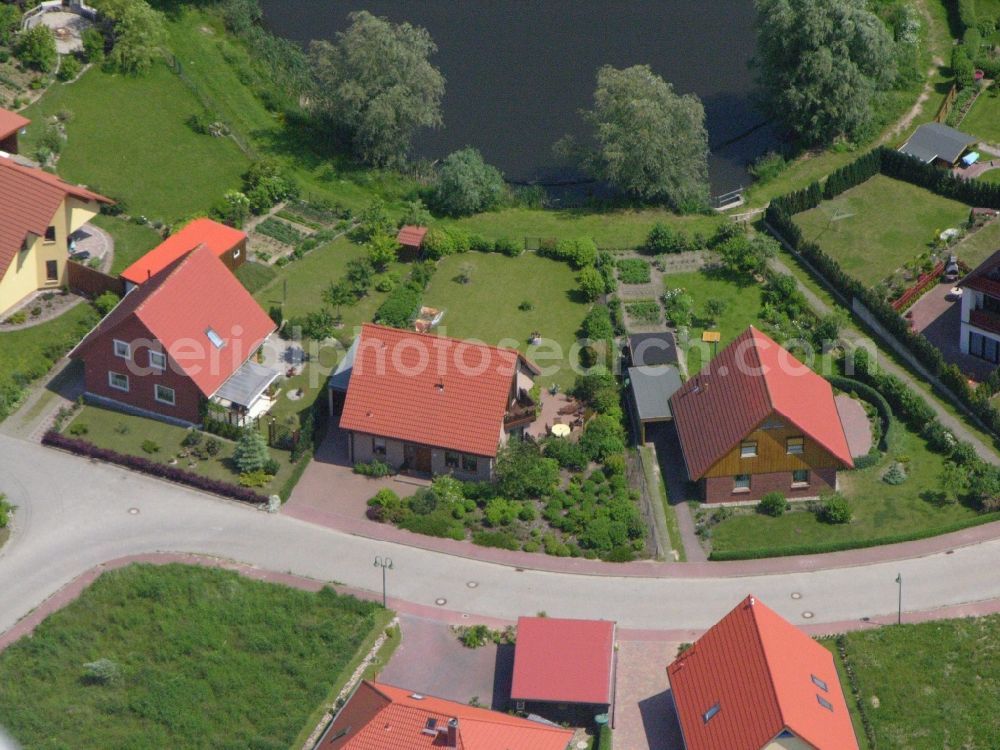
point(218, 238)
point(410, 235)
point(11, 122)
point(934, 140)
point(180, 305)
point(740, 388)
point(985, 277)
point(29, 198)
point(429, 389)
point(563, 661)
point(758, 669)
point(383, 717)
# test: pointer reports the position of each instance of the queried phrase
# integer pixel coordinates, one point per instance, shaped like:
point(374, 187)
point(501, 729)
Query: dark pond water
point(519, 72)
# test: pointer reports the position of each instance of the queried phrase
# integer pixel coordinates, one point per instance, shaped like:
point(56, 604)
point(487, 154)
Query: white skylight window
point(215, 338)
point(821, 684)
point(824, 702)
point(710, 713)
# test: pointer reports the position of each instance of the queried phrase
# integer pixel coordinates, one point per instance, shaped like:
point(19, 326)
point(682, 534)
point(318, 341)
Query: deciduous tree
point(138, 31)
point(466, 184)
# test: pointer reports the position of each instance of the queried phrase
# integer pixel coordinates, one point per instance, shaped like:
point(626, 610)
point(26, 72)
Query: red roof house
point(564, 661)
point(755, 681)
point(979, 330)
point(189, 333)
point(432, 404)
point(383, 717)
point(228, 244)
point(756, 420)
point(38, 213)
point(11, 124)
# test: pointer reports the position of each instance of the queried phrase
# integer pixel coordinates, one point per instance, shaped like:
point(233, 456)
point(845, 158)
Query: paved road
point(74, 514)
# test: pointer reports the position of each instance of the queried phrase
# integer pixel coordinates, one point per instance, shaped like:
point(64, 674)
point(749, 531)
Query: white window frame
point(111, 381)
point(795, 449)
point(750, 445)
point(156, 394)
point(153, 353)
point(800, 482)
point(737, 487)
point(127, 347)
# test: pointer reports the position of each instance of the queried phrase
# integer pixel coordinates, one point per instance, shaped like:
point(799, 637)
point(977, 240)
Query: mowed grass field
point(931, 685)
point(981, 244)
point(129, 137)
point(983, 120)
point(487, 308)
point(876, 227)
point(132, 241)
point(205, 659)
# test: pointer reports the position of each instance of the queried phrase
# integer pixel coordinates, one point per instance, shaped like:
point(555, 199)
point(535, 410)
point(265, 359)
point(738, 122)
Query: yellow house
point(38, 213)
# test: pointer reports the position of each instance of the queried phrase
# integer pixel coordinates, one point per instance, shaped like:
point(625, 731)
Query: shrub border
point(54, 439)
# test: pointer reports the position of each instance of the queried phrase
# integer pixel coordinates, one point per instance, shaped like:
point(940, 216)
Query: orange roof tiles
point(429, 389)
point(563, 661)
point(179, 305)
point(11, 122)
point(748, 380)
point(383, 717)
point(29, 199)
point(411, 235)
point(766, 676)
point(218, 238)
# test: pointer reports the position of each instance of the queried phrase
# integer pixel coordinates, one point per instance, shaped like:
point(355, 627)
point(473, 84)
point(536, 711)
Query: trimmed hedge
point(873, 397)
point(153, 468)
point(848, 544)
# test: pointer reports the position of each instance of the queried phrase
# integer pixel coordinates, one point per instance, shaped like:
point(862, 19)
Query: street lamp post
point(386, 564)
point(899, 614)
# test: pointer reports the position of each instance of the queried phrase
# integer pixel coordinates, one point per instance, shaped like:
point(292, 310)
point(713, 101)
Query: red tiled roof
point(758, 668)
point(29, 198)
point(11, 122)
point(411, 235)
point(742, 386)
point(563, 661)
point(429, 389)
point(383, 717)
point(217, 237)
point(985, 277)
point(179, 305)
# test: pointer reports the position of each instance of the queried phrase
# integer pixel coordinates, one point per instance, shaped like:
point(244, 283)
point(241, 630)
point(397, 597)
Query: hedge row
point(153, 468)
point(848, 544)
point(876, 399)
point(892, 163)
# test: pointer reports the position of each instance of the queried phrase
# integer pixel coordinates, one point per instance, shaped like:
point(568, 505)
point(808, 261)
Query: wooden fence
point(90, 282)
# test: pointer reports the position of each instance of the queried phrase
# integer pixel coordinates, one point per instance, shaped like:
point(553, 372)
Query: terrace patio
point(937, 315)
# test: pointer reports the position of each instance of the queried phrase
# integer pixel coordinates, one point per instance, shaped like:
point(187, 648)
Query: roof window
point(820, 683)
point(824, 702)
point(710, 713)
point(215, 338)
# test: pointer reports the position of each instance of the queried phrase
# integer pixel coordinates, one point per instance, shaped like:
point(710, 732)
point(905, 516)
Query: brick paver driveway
point(857, 428)
point(431, 660)
point(938, 316)
point(644, 717)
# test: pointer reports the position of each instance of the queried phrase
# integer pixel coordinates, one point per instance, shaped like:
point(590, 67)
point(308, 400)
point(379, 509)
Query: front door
point(418, 457)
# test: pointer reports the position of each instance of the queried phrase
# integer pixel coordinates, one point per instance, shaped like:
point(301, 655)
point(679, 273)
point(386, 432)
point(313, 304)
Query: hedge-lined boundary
point(852, 679)
point(153, 468)
point(849, 544)
point(883, 160)
point(876, 399)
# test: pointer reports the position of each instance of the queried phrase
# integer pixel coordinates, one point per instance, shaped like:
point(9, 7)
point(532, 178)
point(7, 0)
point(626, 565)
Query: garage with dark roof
point(649, 392)
point(934, 142)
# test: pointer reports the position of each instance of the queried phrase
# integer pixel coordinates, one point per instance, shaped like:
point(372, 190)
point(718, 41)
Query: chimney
point(440, 385)
point(149, 274)
point(452, 733)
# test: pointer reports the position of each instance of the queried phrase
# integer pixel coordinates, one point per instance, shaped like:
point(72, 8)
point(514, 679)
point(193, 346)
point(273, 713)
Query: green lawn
point(980, 245)
point(206, 659)
point(992, 176)
point(487, 308)
point(125, 433)
point(930, 685)
point(742, 310)
point(983, 120)
point(132, 240)
point(129, 138)
point(879, 509)
point(876, 227)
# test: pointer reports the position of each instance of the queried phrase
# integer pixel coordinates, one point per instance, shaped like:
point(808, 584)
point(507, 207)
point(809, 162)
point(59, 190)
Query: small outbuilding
point(649, 392)
point(652, 349)
point(411, 238)
point(934, 143)
point(564, 670)
point(11, 124)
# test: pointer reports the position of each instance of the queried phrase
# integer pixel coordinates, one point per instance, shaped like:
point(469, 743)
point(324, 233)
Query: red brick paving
point(939, 319)
point(856, 425)
point(644, 713)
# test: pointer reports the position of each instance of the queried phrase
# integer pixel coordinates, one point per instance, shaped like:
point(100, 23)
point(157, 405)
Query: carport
point(649, 392)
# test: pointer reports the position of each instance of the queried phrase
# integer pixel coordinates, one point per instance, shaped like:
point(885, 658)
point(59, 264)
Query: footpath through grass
point(878, 226)
point(932, 685)
point(201, 659)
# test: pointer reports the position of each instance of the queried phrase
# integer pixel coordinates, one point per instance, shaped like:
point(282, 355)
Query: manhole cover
point(472, 584)
point(133, 511)
point(796, 595)
point(807, 615)
point(441, 601)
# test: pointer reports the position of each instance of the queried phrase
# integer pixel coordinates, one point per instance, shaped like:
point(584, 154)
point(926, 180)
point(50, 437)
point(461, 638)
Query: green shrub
point(523, 472)
point(106, 302)
point(773, 504)
point(78, 428)
point(498, 539)
point(424, 502)
point(191, 438)
point(5, 510)
point(399, 307)
point(386, 506)
point(251, 454)
point(436, 524)
point(578, 253)
point(895, 474)
point(150, 446)
point(508, 246)
point(36, 48)
point(602, 437)
point(501, 512)
point(768, 166)
point(663, 238)
point(568, 455)
point(375, 469)
point(835, 510)
point(93, 44)
point(69, 68)
point(257, 478)
point(212, 446)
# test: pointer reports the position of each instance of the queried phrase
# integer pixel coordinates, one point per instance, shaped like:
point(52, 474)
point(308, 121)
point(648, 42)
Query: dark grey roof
point(652, 388)
point(936, 141)
point(246, 385)
point(341, 377)
point(650, 349)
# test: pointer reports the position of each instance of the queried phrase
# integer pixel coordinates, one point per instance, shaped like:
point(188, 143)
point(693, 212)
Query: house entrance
point(418, 457)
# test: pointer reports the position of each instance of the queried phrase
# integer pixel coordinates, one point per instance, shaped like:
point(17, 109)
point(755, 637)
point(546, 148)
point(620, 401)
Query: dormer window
point(215, 338)
point(710, 713)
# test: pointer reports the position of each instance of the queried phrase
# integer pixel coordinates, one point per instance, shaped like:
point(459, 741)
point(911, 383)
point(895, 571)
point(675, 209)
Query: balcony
point(986, 320)
point(521, 412)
